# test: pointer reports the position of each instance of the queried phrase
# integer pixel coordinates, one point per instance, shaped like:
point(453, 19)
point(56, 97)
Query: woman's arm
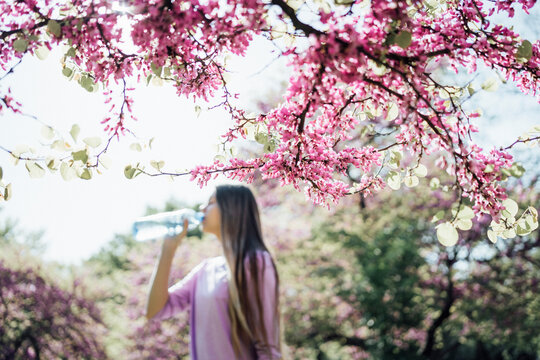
point(158, 296)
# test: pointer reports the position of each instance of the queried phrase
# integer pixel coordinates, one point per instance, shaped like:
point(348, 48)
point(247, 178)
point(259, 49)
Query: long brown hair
point(242, 238)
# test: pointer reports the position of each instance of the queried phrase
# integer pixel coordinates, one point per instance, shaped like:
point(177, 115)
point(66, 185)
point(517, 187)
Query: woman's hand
point(170, 243)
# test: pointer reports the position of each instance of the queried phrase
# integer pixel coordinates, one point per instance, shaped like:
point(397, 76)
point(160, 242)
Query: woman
point(233, 298)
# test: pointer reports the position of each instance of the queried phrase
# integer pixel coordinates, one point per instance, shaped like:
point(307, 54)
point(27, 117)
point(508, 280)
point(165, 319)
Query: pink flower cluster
point(358, 63)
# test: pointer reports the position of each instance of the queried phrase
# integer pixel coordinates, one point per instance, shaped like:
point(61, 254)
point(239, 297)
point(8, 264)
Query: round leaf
point(524, 50)
point(105, 161)
point(20, 45)
point(67, 72)
point(92, 141)
point(47, 132)
point(261, 138)
point(42, 52)
point(392, 112)
point(54, 28)
point(465, 213)
point(511, 208)
point(129, 171)
point(447, 234)
point(403, 39)
point(219, 158)
point(75, 130)
point(67, 171)
point(35, 170)
point(492, 236)
point(491, 84)
point(464, 224)
point(86, 175)
point(420, 171)
point(394, 180)
point(411, 181)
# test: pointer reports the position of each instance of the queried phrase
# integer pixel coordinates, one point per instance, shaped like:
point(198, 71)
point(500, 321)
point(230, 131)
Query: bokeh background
point(366, 279)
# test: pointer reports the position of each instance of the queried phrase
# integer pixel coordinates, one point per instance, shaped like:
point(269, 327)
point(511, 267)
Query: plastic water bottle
point(165, 224)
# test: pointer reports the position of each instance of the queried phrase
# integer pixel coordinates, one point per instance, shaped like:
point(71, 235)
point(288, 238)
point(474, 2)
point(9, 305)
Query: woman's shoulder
point(214, 261)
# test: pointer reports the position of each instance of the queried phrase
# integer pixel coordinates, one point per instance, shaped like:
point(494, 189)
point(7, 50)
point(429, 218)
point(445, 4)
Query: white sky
point(81, 216)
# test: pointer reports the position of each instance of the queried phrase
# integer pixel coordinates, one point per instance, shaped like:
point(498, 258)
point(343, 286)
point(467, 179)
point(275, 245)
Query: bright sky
point(80, 216)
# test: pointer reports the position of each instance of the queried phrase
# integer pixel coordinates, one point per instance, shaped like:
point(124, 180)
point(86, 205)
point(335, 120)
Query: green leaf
point(52, 164)
point(67, 72)
point(1, 173)
point(7, 192)
point(129, 171)
point(523, 227)
point(447, 234)
point(491, 84)
point(270, 146)
point(392, 112)
point(434, 183)
point(158, 165)
point(411, 181)
point(34, 169)
point(524, 50)
point(75, 130)
point(261, 138)
point(105, 161)
point(150, 143)
point(517, 170)
point(20, 45)
point(390, 38)
point(420, 171)
point(71, 52)
point(403, 39)
point(86, 175)
point(67, 171)
point(81, 155)
point(438, 216)
point(465, 213)
point(42, 52)
point(92, 141)
point(394, 180)
point(54, 28)
point(135, 147)
point(464, 224)
point(511, 208)
point(87, 83)
point(509, 233)
point(156, 69)
point(492, 236)
point(59, 145)
point(198, 110)
point(148, 78)
point(220, 158)
point(21, 149)
point(47, 132)
point(489, 168)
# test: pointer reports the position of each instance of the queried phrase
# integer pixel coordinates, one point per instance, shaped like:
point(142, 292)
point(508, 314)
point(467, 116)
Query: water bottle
point(165, 224)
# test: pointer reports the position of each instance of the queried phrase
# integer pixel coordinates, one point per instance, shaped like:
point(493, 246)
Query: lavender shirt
point(204, 290)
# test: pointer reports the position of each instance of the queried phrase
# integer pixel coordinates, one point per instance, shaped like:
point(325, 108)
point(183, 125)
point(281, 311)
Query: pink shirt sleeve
point(180, 294)
point(267, 288)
